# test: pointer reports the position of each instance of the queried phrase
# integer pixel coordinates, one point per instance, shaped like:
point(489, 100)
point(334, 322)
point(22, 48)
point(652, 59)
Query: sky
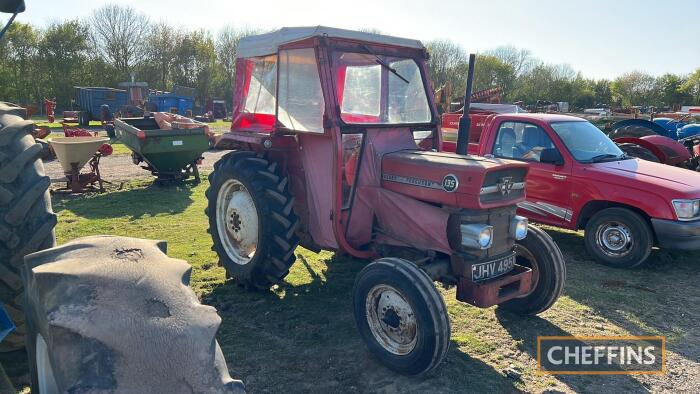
point(602, 39)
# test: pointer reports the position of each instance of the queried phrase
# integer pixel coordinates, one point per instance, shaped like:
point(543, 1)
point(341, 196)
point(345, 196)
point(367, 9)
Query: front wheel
point(401, 316)
point(539, 252)
point(618, 237)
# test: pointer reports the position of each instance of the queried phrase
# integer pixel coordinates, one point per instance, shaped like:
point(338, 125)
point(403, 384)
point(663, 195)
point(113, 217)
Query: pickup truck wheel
point(251, 219)
point(539, 252)
point(401, 316)
point(116, 314)
point(618, 237)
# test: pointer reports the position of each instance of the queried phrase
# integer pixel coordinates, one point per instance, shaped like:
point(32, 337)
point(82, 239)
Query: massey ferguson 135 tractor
point(336, 145)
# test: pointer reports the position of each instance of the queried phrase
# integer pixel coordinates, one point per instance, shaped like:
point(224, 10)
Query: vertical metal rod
point(465, 121)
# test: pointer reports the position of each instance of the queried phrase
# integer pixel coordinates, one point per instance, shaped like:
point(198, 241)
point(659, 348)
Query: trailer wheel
point(251, 219)
point(401, 316)
point(637, 151)
point(618, 237)
point(539, 252)
point(116, 314)
point(26, 218)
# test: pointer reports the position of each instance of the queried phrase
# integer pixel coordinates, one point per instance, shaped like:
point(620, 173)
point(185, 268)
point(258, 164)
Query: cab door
point(549, 185)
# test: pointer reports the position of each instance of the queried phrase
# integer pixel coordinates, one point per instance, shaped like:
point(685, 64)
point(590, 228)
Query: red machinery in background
point(50, 107)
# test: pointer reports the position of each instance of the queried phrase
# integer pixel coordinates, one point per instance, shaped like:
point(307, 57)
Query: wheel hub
point(391, 320)
point(615, 239)
point(237, 221)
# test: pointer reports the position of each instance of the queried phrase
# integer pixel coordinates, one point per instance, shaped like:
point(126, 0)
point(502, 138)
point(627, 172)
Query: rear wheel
point(102, 310)
point(26, 218)
point(251, 219)
point(539, 252)
point(618, 237)
point(401, 316)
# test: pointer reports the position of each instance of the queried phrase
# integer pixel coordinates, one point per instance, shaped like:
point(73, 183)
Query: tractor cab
point(336, 145)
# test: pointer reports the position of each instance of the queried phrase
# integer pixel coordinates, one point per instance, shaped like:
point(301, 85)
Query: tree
point(634, 88)
point(226, 46)
point(118, 35)
point(446, 63)
point(20, 83)
point(489, 71)
point(63, 52)
point(520, 60)
point(195, 58)
point(692, 86)
point(160, 55)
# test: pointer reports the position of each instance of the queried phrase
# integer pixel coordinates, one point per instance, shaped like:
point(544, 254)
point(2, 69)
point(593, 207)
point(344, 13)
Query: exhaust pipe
point(465, 122)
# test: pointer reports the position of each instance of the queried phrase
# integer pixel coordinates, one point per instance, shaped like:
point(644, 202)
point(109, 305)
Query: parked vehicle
point(91, 99)
point(332, 135)
point(579, 179)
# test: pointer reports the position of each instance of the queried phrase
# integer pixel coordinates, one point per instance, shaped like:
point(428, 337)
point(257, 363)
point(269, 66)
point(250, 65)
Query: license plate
point(492, 269)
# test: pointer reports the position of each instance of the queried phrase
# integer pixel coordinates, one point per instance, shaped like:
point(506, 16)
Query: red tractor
point(337, 145)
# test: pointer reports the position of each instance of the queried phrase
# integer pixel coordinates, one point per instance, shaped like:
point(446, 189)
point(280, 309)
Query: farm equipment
point(73, 153)
point(663, 140)
point(171, 149)
point(336, 145)
point(91, 99)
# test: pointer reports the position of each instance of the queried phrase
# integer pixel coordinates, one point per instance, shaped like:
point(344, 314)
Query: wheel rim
point(237, 221)
point(44, 371)
point(391, 320)
point(524, 257)
point(614, 239)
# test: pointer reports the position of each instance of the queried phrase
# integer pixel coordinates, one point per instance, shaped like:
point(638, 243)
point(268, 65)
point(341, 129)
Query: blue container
point(90, 99)
point(164, 102)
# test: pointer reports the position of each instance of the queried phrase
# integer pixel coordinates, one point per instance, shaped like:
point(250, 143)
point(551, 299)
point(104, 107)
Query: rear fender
point(667, 150)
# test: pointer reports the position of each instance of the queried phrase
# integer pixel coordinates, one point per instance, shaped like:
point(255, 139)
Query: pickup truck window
point(586, 142)
point(521, 141)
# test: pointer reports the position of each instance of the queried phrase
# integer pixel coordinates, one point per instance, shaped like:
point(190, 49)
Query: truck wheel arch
point(592, 207)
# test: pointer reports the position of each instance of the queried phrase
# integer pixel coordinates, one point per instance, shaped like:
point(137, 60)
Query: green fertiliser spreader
point(170, 154)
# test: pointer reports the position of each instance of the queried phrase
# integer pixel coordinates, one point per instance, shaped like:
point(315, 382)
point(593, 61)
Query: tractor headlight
point(686, 209)
point(476, 236)
point(518, 227)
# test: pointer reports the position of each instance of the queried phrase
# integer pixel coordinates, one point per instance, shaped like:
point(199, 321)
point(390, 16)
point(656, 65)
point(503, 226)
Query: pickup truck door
point(549, 185)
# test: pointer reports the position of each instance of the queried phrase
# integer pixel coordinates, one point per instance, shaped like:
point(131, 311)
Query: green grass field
point(300, 336)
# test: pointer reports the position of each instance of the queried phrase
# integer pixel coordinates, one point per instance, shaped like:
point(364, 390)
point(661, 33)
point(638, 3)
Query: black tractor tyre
point(618, 222)
point(276, 220)
point(26, 218)
point(116, 314)
point(539, 252)
point(631, 131)
point(401, 316)
point(640, 152)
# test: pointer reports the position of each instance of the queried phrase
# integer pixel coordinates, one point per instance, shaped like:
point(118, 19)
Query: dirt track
point(119, 168)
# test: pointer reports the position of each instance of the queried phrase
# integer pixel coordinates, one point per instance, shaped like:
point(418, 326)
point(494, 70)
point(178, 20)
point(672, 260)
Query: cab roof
point(267, 44)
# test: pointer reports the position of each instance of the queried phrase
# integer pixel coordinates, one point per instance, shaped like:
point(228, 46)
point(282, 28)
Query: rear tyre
point(102, 310)
point(251, 219)
point(26, 218)
point(401, 316)
point(539, 252)
point(618, 237)
point(640, 152)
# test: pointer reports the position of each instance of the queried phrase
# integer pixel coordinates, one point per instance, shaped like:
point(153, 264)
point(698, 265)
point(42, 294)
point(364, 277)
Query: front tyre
point(539, 252)
point(401, 316)
point(251, 219)
point(618, 237)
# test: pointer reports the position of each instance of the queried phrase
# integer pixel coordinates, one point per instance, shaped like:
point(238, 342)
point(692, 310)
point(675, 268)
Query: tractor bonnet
point(267, 44)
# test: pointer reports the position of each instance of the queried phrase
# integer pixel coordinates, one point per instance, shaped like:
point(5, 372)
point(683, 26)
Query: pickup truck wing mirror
point(11, 6)
point(551, 156)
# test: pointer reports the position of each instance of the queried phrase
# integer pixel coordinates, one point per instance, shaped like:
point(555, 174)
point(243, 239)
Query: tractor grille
point(499, 218)
point(503, 185)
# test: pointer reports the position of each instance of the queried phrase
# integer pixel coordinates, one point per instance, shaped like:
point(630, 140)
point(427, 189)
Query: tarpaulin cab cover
point(298, 99)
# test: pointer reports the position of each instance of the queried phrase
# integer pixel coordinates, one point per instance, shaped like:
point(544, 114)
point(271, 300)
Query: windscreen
point(380, 89)
point(586, 142)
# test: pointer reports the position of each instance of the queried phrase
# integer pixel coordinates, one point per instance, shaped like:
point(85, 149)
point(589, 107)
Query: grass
point(300, 336)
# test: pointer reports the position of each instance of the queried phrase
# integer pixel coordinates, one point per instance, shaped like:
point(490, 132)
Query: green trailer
point(170, 155)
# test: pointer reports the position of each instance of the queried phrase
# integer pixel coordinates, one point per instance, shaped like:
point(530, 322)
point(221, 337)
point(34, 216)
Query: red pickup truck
point(579, 179)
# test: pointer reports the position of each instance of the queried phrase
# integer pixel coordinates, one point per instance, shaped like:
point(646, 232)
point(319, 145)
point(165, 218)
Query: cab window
point(521, 141)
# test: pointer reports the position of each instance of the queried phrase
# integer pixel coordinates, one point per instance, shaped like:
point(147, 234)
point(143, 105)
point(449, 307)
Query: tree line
point(117, 42)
